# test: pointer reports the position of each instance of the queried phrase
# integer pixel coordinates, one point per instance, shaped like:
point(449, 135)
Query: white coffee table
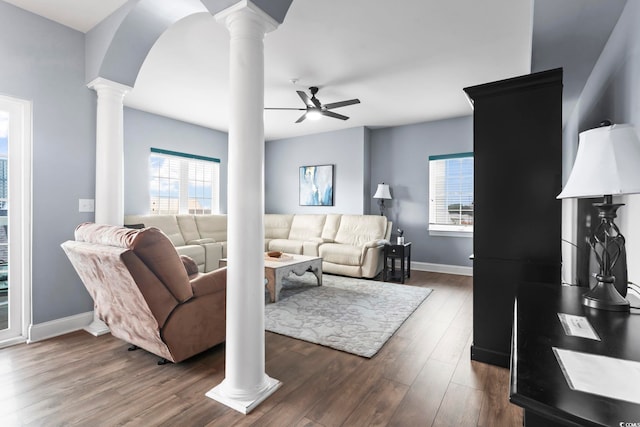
point(277, 269)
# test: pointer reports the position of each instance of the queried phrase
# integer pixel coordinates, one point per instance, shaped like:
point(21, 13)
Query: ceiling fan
point(315, 109)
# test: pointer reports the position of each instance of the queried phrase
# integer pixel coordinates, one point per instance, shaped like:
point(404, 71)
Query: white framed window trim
point(181, 183)
point(451, 185)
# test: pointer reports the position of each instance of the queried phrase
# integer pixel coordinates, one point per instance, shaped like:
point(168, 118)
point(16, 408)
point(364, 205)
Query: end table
point(392, 253)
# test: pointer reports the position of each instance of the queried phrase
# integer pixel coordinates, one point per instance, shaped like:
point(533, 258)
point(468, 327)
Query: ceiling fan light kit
point(315, 109)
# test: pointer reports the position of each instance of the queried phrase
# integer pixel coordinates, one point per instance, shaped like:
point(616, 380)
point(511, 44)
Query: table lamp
point(382, 194)
point(607, 164)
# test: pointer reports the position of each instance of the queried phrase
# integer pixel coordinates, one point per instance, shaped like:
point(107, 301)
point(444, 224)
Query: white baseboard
point(53, 328)
point(442, 268)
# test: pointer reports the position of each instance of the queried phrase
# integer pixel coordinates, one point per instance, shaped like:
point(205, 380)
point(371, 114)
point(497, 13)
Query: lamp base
point(604, 296)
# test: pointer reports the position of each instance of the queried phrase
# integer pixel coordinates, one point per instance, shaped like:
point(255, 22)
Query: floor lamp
point(607, 164)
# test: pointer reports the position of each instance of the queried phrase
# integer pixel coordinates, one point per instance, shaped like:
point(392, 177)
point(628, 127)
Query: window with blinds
point(451, 192)
point(183, 183)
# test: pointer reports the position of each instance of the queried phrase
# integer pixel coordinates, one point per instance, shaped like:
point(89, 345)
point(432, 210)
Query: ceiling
point(406, 61)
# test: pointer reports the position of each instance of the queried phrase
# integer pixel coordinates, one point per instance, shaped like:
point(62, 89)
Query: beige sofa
point(349, 245)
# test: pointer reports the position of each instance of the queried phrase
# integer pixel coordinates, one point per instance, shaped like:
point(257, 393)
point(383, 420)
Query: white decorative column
point(109, 197)
point(246, 384)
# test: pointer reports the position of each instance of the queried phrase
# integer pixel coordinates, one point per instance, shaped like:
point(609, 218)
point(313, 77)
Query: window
point(451, 193)
point(183, 183)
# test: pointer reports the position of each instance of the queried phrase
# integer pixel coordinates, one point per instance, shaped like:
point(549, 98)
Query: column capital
point(100, 84)
point(247, 9)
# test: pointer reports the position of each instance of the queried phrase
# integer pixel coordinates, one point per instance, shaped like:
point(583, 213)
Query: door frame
point(20, 192)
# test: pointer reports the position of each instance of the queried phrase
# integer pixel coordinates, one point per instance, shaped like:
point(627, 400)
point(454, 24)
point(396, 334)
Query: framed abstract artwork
point(316, 185)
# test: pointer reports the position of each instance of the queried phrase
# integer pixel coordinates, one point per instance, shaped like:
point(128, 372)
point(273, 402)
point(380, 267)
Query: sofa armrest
point(374, 244)
point(209, 283)
point(200, 241)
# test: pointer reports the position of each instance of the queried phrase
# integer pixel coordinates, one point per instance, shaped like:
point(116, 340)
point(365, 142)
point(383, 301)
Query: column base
point(97, 328)
point(243, 405)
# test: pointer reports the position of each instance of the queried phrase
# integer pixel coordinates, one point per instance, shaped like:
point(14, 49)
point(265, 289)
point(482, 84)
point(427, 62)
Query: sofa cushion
point(212, 227)
point(341, 254)
point(331, 224)
point(189, 265)
point(287, 246)
point(167, 223)
point(188, 227)
point(357, 230)
point(156, 251)
point(306, 227)
point(277, 226)
point(196, 252)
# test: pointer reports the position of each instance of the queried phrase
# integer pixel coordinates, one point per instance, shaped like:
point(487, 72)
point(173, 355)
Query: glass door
point(4, 235)
point(15, 213)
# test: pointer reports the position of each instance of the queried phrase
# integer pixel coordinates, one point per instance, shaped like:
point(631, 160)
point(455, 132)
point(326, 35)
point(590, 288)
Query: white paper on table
point(577, 326)
point(601, 375)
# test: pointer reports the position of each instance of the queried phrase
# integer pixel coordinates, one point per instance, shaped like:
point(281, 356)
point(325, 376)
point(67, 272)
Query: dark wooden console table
point(537, 382)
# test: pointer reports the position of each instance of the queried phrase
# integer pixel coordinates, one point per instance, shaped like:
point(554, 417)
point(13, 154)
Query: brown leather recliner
point(142, 291)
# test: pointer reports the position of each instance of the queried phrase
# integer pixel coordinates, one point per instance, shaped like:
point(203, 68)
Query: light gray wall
point(400, 158)
point(145, 130)
point(345, 149)
point(44, 62)
point(612, 92)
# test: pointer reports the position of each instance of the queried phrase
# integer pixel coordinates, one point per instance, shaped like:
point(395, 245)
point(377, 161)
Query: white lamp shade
point(382, 192)
point(607, 163)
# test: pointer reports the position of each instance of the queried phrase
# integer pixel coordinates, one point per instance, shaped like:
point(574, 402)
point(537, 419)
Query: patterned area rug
point(352, 315)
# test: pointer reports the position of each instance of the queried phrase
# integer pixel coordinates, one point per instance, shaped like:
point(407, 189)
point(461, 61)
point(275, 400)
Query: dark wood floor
point(422, 377)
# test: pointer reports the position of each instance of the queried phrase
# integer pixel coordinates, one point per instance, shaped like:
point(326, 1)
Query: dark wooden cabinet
point(517, 129)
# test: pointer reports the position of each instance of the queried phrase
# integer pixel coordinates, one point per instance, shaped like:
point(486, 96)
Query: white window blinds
point(451, 192)
point(183, 183)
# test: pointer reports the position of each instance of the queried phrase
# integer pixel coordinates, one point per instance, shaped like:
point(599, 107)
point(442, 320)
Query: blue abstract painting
point(316, 185)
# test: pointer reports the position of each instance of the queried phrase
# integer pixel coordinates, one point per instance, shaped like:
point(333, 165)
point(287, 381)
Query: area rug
point(353, 315)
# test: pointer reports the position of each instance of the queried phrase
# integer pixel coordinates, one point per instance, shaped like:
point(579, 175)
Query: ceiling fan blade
point(334, 115)
point(305, 98)
point(341, 104)
point(302, 117)
point(284, 108)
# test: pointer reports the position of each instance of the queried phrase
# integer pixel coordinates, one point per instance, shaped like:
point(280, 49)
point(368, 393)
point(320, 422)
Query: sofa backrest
point(188, 227)
point(212, 227)
point(153, 248)
point(167, 223)
point(305, 227)
point(277, 226)
point(331, 224)
point(357, 230)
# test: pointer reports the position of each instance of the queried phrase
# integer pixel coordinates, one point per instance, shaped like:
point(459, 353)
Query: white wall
point(345, 149)
point(43, 62)
point(400, 158)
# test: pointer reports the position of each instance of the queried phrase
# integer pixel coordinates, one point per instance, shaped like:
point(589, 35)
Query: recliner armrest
point(209, 283)
point(374, 244)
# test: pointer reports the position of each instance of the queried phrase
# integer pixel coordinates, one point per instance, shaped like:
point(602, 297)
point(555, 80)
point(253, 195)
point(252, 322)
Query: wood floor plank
point(422, 401)
point(422, 376)
point(460, 407)
point(334, 409)
point(469, 372)
point(496, 408)
point(379, 405)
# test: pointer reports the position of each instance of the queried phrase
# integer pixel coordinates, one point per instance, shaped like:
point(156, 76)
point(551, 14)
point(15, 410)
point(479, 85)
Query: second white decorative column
point(246, 384)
